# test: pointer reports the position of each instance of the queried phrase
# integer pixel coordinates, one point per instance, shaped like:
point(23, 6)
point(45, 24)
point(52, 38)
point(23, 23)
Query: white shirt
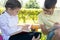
point(8, 25)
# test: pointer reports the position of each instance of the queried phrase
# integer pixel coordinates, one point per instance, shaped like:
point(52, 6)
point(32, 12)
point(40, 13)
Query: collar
point(7, 14)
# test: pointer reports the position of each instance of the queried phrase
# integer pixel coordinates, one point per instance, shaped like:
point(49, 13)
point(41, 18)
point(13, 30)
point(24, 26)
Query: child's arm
point(42, 26)
point(22, 28)
point(43, 29)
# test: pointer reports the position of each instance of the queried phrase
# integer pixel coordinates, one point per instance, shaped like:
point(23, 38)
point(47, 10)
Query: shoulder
point(2, 18)
point(40, 15)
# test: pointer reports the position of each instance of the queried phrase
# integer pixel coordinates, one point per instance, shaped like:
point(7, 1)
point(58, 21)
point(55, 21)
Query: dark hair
point(13, 4)
point(50, 3)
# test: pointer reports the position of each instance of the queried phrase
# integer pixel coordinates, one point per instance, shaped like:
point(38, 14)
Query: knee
point(57, 32)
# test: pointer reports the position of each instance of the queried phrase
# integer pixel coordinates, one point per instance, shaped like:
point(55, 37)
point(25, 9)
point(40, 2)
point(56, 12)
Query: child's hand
point(25, 27)
point(57, 24)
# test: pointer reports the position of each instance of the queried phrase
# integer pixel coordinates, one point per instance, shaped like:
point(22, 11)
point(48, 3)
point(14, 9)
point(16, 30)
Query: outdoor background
point(29, 11)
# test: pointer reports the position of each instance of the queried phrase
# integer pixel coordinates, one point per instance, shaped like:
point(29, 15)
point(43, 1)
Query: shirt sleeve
point(39, 19)
point(6, 29)
point(44, 20)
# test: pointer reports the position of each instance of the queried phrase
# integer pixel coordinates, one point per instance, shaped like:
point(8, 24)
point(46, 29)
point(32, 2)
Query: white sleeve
point(6, 29)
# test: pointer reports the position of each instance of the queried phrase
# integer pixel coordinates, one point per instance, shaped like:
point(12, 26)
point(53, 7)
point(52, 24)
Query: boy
point(48, 19)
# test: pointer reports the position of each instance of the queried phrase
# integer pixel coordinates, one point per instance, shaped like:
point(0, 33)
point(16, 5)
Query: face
point(14, 11)
point(49, 11)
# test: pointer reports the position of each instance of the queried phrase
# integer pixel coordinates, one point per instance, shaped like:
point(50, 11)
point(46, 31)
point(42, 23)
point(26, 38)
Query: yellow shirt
point(49, 20)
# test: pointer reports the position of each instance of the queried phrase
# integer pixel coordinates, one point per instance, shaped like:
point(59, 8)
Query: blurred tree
point(32, 4)
point(21, 1)
point(2, 3)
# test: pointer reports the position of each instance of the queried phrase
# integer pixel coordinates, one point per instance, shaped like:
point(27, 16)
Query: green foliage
point(29, 14)
point(2, 9)
point(43, 37)
point(32, 4)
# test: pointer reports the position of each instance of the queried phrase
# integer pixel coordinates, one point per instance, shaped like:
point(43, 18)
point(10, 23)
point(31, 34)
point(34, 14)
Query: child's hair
point(13, 4)
point(50, 3)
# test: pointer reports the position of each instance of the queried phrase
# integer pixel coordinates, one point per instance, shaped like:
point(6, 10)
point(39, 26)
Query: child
point(8, 23)
point(48, 19)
